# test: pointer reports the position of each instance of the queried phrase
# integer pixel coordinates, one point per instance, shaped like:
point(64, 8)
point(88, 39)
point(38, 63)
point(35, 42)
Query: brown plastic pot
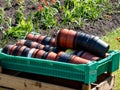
point(61, 38)
point(9, 50)
point(12, 49)
point(41, 47)
point(29, 36)
point(33, 44)
point(51, 56)
point(21, 42)
point(35, 52)
point(89, 56)
point(21, 50)
point(35, 38)
point(16, 50)
point(41, 38)
point(59, 54)
point(70, 38)
point(40, 53)
point(78, 60)
point(52, 42)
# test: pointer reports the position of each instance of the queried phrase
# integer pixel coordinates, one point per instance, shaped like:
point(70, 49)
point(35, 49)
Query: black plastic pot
point(46, 41)
point(64, 57)
point(46, 48)
point(25, 52)
point(5, 49)
point(16, 50)
point(91, 43)
point(28, 43)
point(45, 55)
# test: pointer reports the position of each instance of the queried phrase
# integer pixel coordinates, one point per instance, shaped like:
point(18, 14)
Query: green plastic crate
point(86, 73)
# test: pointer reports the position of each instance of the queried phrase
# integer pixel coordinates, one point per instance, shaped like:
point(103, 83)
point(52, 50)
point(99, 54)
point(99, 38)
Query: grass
point(111, 38)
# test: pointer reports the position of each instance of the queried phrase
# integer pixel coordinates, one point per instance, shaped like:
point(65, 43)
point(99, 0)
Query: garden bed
point(107, 21)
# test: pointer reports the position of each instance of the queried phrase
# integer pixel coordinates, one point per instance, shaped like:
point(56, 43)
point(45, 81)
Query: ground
point(97, 27)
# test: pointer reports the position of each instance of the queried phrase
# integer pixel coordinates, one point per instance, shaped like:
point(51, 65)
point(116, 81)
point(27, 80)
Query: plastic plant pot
point(40, 53)
point(25, 52)
point(52, 42)
point(51, 56)
point(21, 50)
point(34, 53)
point(40, 39)
point(29, 36)
point(64, 58)
point(5, 49)
point(70, 38)
point(61, 38)
point(16, 50)
point(35, 38)
point(78, 60)
point(45, 55)
point(12, 49)
point(46, 40)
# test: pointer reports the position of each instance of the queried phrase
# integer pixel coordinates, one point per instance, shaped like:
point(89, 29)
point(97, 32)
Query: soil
point(97, 27)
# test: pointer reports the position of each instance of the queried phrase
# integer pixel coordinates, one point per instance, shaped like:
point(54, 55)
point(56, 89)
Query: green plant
point(46, 18)
point(8, 3)
point(2, 15)
point(20, 30)
point(76, 11)
point(35, 2)
point(19, 14)
point(20, 2)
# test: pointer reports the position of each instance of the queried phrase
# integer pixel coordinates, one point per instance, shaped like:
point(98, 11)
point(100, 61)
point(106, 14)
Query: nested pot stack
point(45, 40)
point(85, 47)
point(37, 53)
point(81, 41)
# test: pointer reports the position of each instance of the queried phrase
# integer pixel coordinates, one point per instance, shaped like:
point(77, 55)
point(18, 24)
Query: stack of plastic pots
point(45, 40)
point(81, 41)
point(85, 47)
point(32, 44)
point(37, 53)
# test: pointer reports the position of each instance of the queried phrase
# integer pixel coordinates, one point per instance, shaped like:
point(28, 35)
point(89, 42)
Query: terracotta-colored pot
point(29, 36)
point(89, 56)
point(70, 38)
point(41, 38)
point(16, 50)
point(21, 42)
point(78, 60)
point(59, 54)
point(51, 56)
point(12, 49)
point(35, 38)
point(41, 47)
point(33, 44)
point(21, 50)
point(52, 42)
point(40, 53)
point(61, 38)
point(35, 52)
